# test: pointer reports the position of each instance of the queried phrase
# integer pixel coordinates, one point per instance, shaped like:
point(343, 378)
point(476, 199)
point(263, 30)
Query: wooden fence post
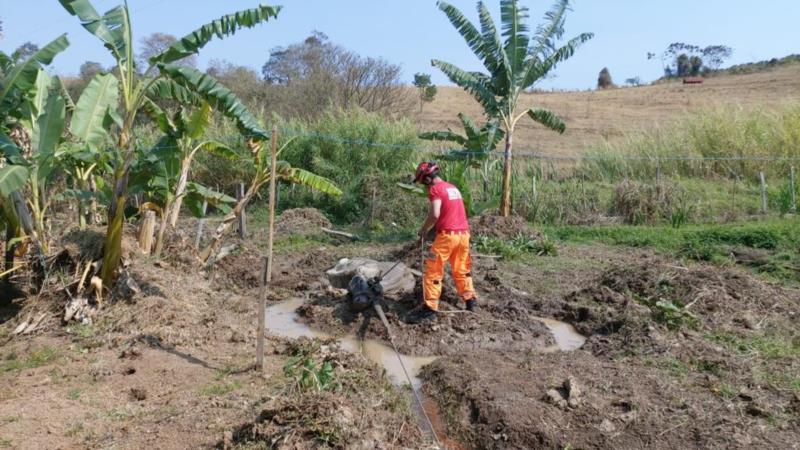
point(266, 275)
point(147, 229)
point(242, 216)
point(200, 224)
point(763, 193)
point(794, 193)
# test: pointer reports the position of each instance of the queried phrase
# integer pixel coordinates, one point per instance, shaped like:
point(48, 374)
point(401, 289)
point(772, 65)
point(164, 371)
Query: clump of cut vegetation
point(639, 203)
point(327, 389)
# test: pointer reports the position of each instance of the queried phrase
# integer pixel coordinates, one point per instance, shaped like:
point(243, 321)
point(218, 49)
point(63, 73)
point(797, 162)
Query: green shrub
point(515, 247)
point(338, 146)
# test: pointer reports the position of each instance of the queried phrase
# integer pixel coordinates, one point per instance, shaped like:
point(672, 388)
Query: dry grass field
point(594, 116)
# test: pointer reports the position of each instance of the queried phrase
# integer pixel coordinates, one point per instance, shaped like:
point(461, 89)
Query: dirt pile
point(301, 221)
point(335, 397)
point(634, 307)
point(501, 227)
point(571, 400)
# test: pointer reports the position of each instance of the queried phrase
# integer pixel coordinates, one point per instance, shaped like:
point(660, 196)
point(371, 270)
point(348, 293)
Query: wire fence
point(590, 188)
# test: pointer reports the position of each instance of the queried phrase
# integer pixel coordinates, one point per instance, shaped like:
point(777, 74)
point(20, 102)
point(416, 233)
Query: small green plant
point(727, 391)
point(545, 247)
point(84, 331)
point(516, 247)
point(74, 394)
point(220, 389)
point(36, 359)
point(671, 313)
point(306, 375)
point(768, 347)
point(680, 215)
point(75, 429)
point(224, 372)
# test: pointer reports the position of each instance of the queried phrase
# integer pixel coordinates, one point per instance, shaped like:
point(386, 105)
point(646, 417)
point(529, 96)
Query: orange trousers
point(452, 248)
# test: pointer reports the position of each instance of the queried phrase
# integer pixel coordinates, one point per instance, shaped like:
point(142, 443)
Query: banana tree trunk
point(228, 220)
point(112, 252)
point(505, 200)
point(162, 228)
point(12, 231)
point(27, 225)
point(94, 215)
point(180, 190)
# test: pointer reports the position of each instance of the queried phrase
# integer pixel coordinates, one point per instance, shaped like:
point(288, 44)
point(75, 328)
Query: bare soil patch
point(515, 401)
point(677, 357)
point(170, 367)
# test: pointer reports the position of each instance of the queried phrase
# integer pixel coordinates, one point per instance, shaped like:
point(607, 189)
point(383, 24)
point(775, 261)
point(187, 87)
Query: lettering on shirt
point(453, 194)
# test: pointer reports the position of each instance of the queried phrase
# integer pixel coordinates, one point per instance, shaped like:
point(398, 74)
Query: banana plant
point(37, 129)
point(83, 164)
point(164, 171)
point(514, 61)
point(284, 171)
point(168, 79)
point(475, 150)
point(18, 83)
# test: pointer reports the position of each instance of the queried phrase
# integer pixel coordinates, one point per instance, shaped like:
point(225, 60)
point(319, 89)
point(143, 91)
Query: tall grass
point(717, 133)
point(339, 146)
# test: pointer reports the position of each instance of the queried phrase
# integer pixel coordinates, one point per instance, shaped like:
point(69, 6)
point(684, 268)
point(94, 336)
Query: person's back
point(453, 215)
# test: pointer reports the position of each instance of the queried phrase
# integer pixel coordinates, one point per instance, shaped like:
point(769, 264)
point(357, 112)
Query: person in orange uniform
point(448, 215)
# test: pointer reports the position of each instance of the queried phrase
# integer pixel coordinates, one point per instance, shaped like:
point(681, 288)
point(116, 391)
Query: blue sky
point(411, 32)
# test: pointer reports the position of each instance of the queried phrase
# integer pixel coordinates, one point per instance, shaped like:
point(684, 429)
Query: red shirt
point(453, 216)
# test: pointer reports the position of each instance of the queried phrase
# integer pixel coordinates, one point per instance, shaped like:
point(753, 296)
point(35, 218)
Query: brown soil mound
point(333, 413)
point(500, 227)
point(297, 272)
point(634, 307)
point(572, 400)
point(301, 221)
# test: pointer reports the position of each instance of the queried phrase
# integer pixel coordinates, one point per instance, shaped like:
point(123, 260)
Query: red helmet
point(425, 169)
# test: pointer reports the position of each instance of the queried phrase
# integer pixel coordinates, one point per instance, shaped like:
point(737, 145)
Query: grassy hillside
point(597, 115)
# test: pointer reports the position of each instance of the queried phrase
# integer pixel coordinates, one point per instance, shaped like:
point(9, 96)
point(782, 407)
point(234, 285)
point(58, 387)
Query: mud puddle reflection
point(566, 336)
point(282, 320)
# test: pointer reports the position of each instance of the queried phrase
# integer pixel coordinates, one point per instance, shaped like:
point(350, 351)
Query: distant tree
point(427, 90)
point(696, 64)
point(155, 43)
point(683, 66)
point(243, 81)
point(24, 51)
point(1, 29)
point(635, 81)
point(89, 69)
point(604, 80)
point(692, 60)
point(715, 55)
point(317, 73)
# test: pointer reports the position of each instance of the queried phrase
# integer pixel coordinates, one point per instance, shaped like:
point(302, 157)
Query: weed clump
point(324, 389)
point(516, 247)
point(641, 203)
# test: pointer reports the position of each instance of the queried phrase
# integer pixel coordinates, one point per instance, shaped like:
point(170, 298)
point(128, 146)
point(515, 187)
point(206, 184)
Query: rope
point(379, 310)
